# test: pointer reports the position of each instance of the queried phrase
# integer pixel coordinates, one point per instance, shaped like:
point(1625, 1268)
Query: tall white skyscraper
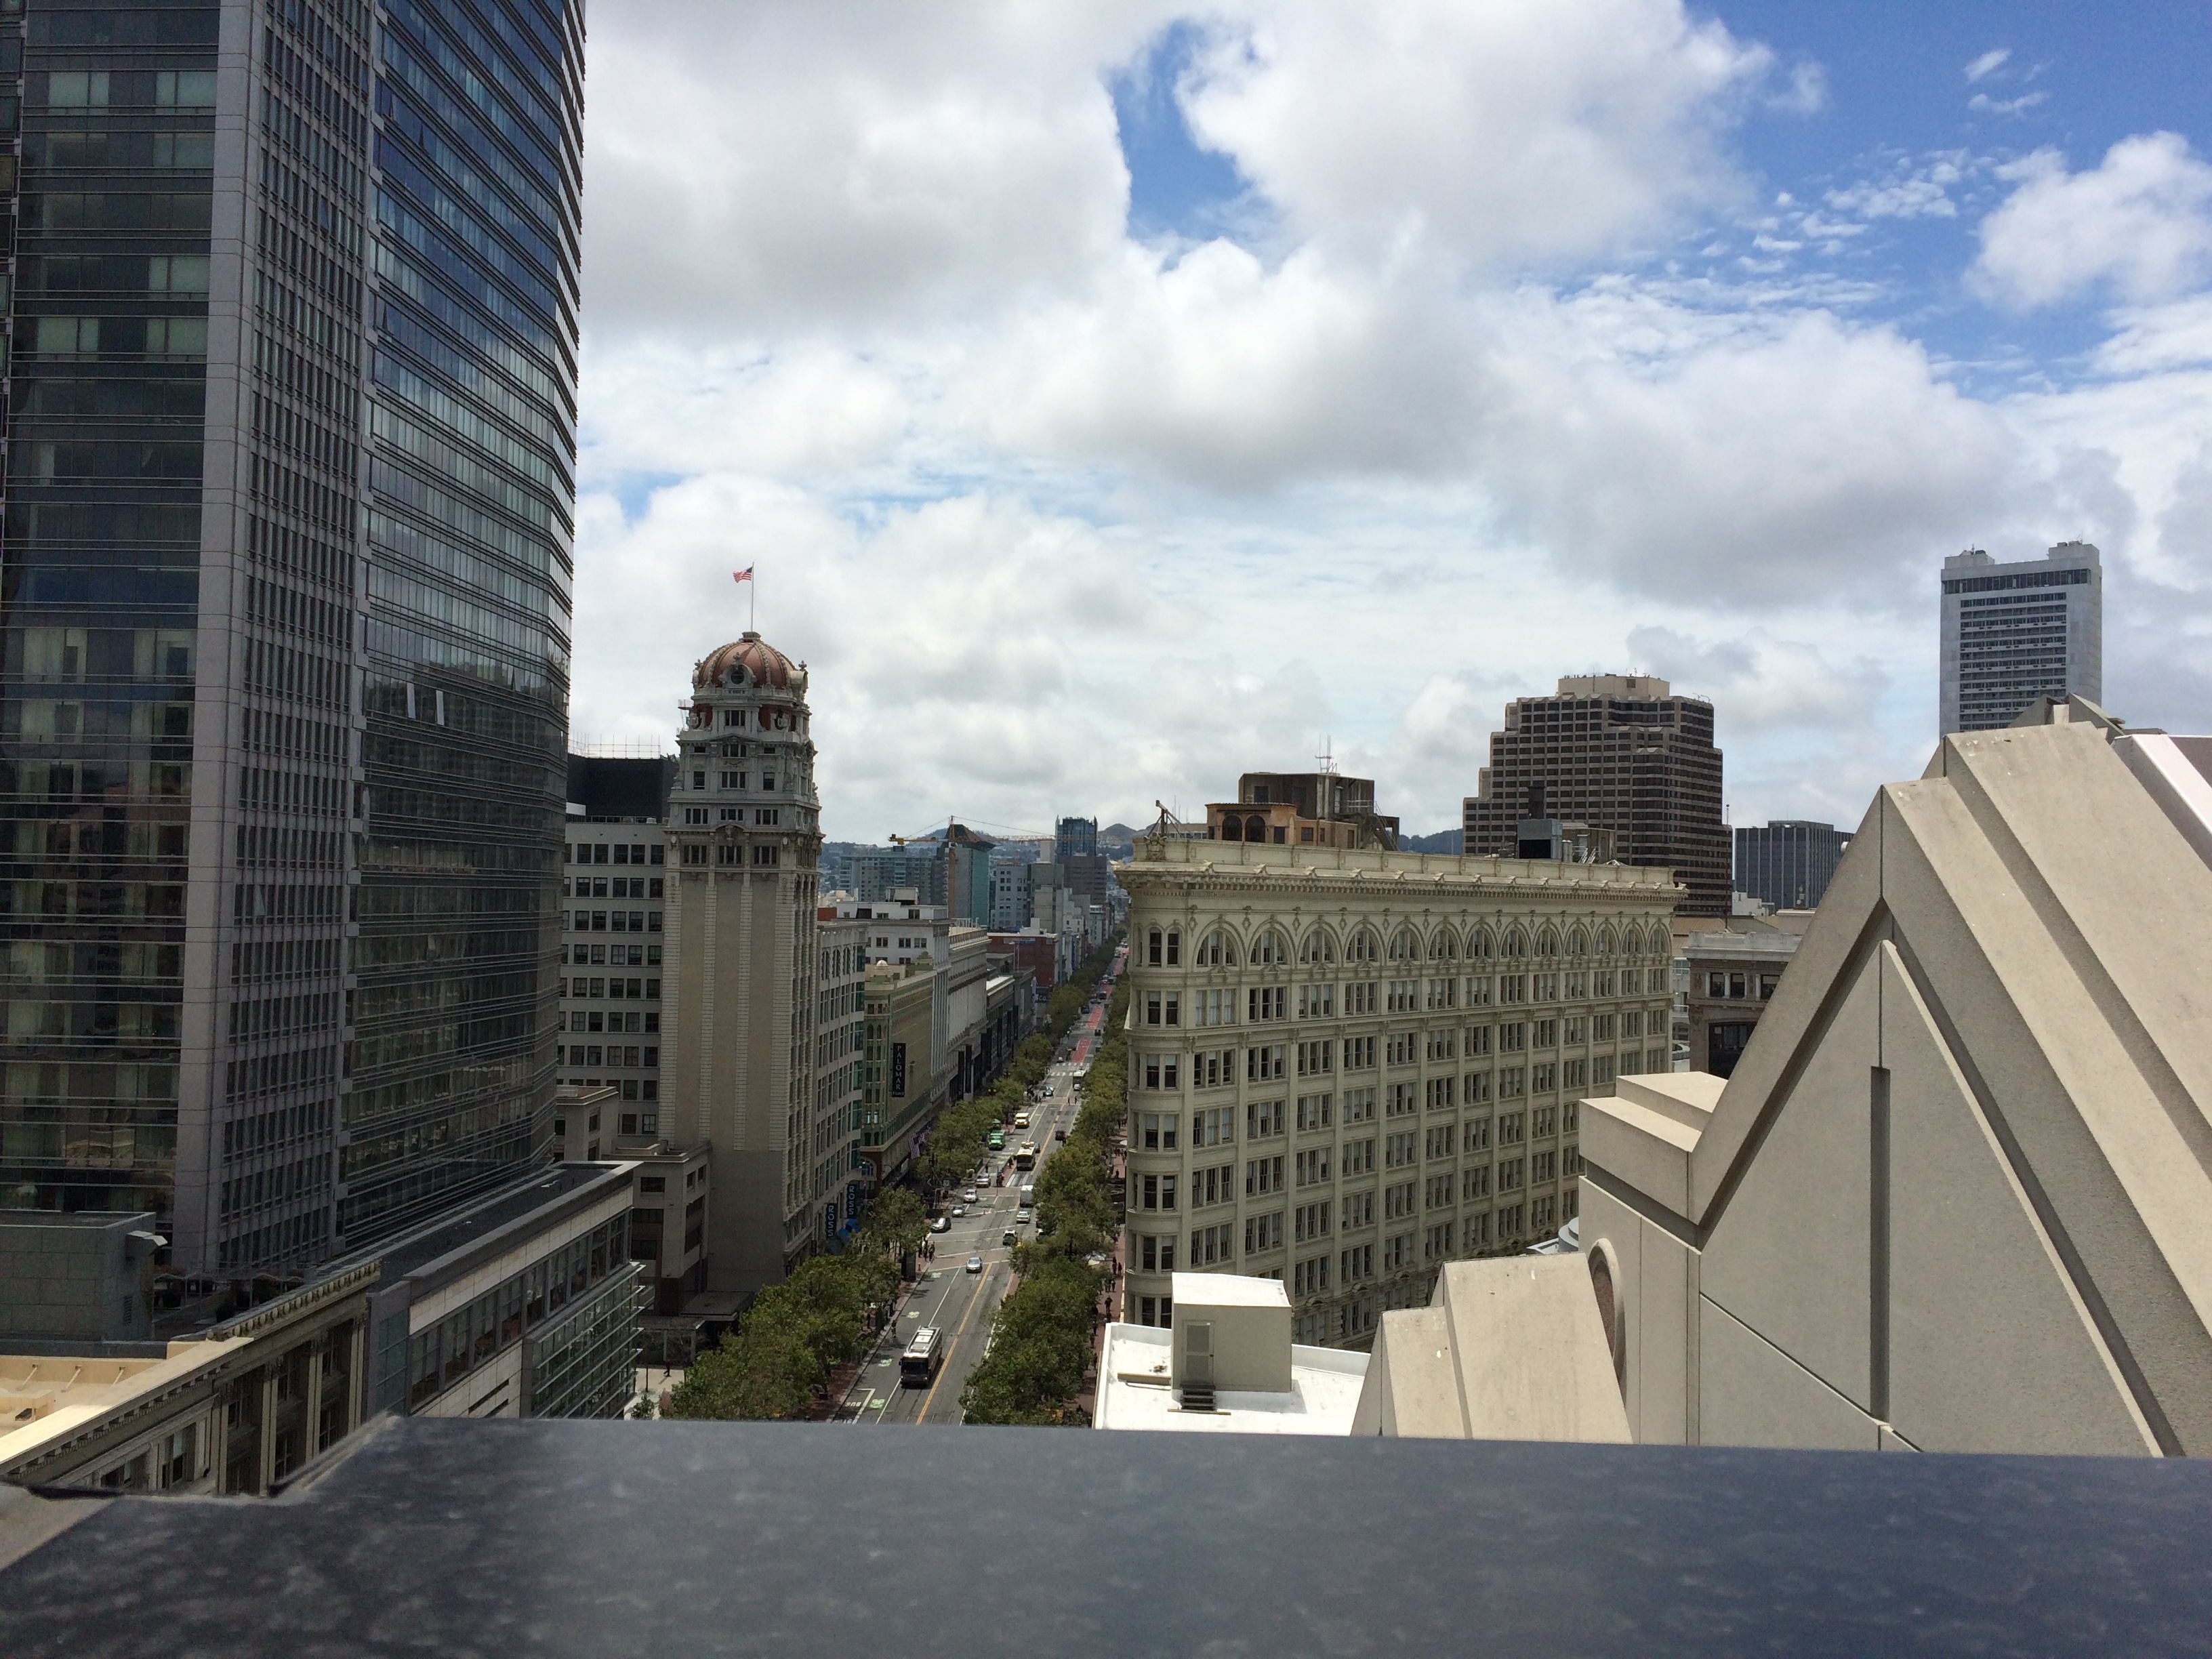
point(2012, 633)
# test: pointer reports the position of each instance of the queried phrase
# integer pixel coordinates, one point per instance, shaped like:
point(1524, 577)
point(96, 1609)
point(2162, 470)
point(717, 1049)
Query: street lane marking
point(983, 1280)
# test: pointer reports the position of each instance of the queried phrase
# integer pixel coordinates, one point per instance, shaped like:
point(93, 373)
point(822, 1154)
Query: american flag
point(745, 575)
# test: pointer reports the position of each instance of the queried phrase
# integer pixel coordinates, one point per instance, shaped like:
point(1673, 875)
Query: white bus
point(923, 1358)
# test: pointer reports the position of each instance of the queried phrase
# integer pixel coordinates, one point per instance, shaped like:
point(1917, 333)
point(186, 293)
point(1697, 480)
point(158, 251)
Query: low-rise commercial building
point(1732, 974)
point(1301, 809)
point(1348, 1067)
point(232, 1409)
point(524, 1304)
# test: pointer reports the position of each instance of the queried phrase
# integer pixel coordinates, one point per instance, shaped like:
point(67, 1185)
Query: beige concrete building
point(739, 1009)
point(232, 1410)
point(1957, 1195)
point(1349, 1066)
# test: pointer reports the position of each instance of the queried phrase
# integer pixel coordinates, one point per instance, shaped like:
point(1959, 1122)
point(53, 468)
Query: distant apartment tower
point(1618, 752)
point(1788, 862)
point(2012, 633)
point(289, 508)
point(740, 1016)
point(613, 883)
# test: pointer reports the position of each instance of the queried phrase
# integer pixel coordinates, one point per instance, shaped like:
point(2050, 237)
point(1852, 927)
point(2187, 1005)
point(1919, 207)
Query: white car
point(939, 1225)
point(975, 1264)
point(969, 1197)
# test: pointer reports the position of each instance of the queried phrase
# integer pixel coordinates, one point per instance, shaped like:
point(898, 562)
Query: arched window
point(1360, 947)
point(1578, 943)
point(1316, 947)
point(1175, 947)
point(1444, 947)
point(1154, 948)
point(1516, 943)
point(1548, 943)
point(1404, 947)
point(1658, 940)
point(1256, 828)
point(1605, 941)
point(1216, 950)
point(1268, 949)
point(1479, 944)
point(1232, 827)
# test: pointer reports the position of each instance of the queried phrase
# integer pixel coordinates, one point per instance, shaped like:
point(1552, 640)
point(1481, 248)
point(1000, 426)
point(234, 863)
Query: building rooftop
point(1412, 871)
point(593, 1538)
point(749, 661)
point(415, 1251)
point(1134, 1391)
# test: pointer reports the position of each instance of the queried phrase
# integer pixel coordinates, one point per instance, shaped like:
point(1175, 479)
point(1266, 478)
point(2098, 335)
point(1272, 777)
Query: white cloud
point(790, 164)
point(1910, 192)
point(1061, 521)
point(1993, 60)
point(1509, 132)
point(2141, 221)
point(1982, 104)
point(1813, 459)
point(2153, 339)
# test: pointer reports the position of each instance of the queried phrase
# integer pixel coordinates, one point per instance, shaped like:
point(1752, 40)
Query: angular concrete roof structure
point(1957, 1193)
point(1511, 1348)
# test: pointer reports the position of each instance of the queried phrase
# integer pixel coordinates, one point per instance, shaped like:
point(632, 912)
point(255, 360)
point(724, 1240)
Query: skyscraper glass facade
point(284, 614)
point(470, 518)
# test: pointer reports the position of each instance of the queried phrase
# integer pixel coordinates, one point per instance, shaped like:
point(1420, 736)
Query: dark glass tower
point(284, 609)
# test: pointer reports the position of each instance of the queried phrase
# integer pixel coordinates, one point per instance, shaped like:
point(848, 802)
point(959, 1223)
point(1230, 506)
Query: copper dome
point(762, 663)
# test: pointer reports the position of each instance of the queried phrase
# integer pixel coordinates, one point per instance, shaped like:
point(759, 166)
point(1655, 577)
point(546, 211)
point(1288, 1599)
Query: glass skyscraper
point(287, 519)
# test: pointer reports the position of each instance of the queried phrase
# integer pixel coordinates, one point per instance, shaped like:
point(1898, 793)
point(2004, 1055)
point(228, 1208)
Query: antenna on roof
point(1326, 760)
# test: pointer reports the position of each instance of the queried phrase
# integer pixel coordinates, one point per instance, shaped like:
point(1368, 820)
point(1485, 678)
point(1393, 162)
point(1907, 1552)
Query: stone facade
point(739, 1011)
point(1348, 1067)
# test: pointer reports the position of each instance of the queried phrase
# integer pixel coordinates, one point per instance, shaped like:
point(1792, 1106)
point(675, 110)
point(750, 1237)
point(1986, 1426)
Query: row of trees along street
point(797, 1333)
point(1041, 1337)
point(960, 1139)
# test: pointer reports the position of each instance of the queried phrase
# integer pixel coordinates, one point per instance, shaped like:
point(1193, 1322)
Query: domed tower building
point(737, 1046)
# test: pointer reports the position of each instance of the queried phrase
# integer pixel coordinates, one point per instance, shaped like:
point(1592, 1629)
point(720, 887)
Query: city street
point(948, 1296)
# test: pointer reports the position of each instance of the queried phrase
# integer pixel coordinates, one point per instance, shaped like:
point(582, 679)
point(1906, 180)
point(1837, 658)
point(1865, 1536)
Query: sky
point(1114, 398)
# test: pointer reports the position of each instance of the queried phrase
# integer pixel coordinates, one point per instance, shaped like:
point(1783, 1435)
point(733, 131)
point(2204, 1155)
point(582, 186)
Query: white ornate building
point(1347, 1067)
point(737, 1054)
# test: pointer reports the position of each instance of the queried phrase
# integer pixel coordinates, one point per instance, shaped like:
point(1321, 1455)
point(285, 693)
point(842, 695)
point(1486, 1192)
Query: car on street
point(958, 1209)
point(969, 1196)
point(939, 1225)
point(975, 1264)
point(1059, 1134)
point(1009, 1238)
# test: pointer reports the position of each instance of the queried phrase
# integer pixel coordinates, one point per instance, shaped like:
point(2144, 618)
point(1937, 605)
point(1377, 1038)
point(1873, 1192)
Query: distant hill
point(1444, 841)
point(1117, 832)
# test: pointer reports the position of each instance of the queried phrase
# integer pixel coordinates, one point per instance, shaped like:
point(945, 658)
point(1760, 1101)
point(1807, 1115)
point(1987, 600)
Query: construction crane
point(952, 823)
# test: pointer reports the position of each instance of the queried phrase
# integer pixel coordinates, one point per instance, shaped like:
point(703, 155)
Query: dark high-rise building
point(1076, 836)
point(1618, 752)
point(288, 521)
point(1788, 863)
